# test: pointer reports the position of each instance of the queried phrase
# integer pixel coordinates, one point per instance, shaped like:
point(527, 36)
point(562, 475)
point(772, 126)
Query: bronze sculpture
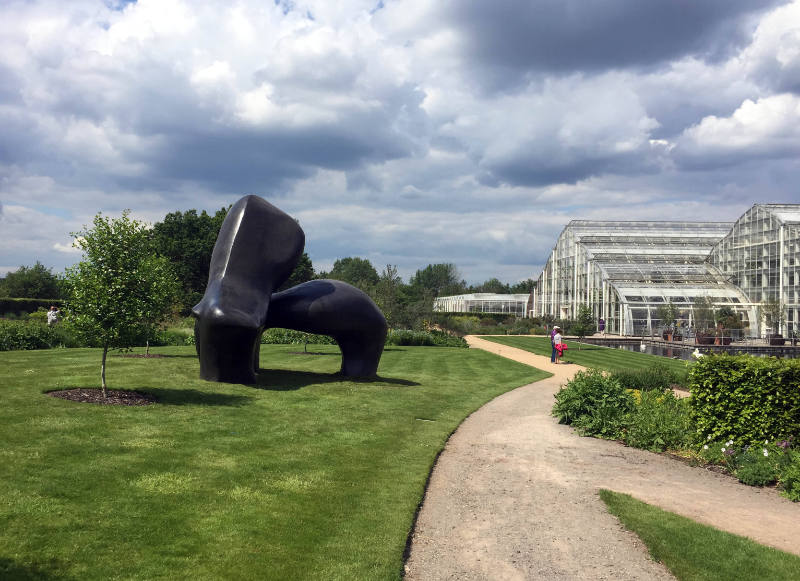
point(257, 248)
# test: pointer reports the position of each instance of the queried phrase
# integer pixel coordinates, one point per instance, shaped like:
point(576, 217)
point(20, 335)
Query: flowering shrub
point(759, 464)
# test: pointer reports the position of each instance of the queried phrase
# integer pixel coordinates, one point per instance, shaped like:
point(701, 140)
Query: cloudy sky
point(407, 132)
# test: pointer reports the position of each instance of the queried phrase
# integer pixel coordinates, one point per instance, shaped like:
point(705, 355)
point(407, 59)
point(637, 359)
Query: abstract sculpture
point(335, 308)
point(257, 248)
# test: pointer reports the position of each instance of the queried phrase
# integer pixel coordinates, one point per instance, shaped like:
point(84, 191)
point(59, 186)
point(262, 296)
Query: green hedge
point(277, 336)
point(407, 337)
point(22, 306)
point(22, 335)
point(745, 399)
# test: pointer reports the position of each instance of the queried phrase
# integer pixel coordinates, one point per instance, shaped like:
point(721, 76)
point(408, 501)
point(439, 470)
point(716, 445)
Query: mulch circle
point(141, 355)
point(305, 353)
point(115, 396)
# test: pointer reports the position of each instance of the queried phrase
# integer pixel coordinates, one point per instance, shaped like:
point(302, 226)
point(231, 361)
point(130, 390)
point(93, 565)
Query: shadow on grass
point(168, 396)
point(10, 569)
point(288, 380)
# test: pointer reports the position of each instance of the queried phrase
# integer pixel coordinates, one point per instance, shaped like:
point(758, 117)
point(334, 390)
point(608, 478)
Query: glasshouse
point(631, 273)
point(517, 305)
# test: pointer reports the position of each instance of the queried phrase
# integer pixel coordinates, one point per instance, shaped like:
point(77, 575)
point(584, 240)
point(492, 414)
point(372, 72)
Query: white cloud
point(402, 132)
point(766, 128)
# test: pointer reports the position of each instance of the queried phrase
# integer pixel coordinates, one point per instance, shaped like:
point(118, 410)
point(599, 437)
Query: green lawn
point(307, 476)
point(591, 355)
point(695, 552)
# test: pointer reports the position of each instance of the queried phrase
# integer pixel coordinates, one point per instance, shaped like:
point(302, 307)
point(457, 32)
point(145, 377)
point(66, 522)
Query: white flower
point(705, 447)
point(729, 443)
point(723, 449)
point(709, 438)
point(766, 441)
point(765, 452)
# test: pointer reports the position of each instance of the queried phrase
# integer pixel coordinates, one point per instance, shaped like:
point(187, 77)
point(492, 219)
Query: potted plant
point(703, 321)
point(667, 312)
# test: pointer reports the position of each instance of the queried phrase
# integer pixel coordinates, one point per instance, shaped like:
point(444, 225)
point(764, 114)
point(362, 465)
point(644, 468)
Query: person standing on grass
point(556, 330)
point(52, 316)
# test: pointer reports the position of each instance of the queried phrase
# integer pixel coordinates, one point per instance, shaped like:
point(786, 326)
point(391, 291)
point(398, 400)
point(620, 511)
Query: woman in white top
point(557, 339)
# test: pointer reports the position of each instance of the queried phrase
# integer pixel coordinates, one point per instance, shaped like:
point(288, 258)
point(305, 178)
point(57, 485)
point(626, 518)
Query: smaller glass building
point(516, 305)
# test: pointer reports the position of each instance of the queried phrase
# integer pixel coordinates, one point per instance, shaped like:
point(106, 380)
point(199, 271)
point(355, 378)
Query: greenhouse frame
point(625, 270)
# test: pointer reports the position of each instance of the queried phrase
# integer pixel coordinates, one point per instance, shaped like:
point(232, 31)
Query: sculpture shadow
point(289, 380)
point(10, 569)
point(169, 396)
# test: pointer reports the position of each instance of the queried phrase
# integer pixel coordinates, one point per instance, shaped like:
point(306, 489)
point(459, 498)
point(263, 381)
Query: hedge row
point(21, 306)
point(745, 399)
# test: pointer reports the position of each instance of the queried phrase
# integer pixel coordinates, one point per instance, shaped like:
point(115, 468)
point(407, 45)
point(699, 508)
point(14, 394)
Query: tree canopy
point(121, 289)
point(31, 282)
point(187, 239)
point(354, 270)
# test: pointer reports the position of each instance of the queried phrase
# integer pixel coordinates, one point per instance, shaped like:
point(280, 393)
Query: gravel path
point(514, 496)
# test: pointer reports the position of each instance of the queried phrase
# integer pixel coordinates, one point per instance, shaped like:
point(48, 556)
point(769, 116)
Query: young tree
point(585, 324)
point(773, 312)
point(121, 288)
point(667, 312)
point(386, 295)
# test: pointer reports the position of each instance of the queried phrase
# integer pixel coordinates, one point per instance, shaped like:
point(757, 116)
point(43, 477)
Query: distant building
point(625, 270)
point(517, 305)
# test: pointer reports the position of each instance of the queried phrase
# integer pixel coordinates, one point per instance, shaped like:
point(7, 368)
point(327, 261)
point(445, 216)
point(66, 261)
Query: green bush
point(277, 336)
point(24, 335)
point(595, 404)
point(409, 338)
point(790, 476)
point(745, 399)
point(657, 377)
point(757, 467)
point(660, 421)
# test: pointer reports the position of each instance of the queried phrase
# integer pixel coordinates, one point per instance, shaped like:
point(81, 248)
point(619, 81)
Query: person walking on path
point(557, 348)
point(556, 329)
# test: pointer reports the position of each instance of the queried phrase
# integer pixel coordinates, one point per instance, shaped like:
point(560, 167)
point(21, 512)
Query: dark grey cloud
point(511, 39)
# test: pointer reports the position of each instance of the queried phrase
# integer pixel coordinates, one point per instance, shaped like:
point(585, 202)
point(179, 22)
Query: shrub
point(790, 476)
point(745, 399)
point(406, 337)
point(756, 467)
point(594, 403)
point(24, 335)
point(277, 336)
point(660, 421)
point(658, 377)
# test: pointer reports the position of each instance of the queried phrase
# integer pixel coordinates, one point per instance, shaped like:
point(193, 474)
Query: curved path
point(514, 496)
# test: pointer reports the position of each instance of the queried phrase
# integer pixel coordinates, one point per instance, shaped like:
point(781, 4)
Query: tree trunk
point(103, 370)
point(147, 348)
